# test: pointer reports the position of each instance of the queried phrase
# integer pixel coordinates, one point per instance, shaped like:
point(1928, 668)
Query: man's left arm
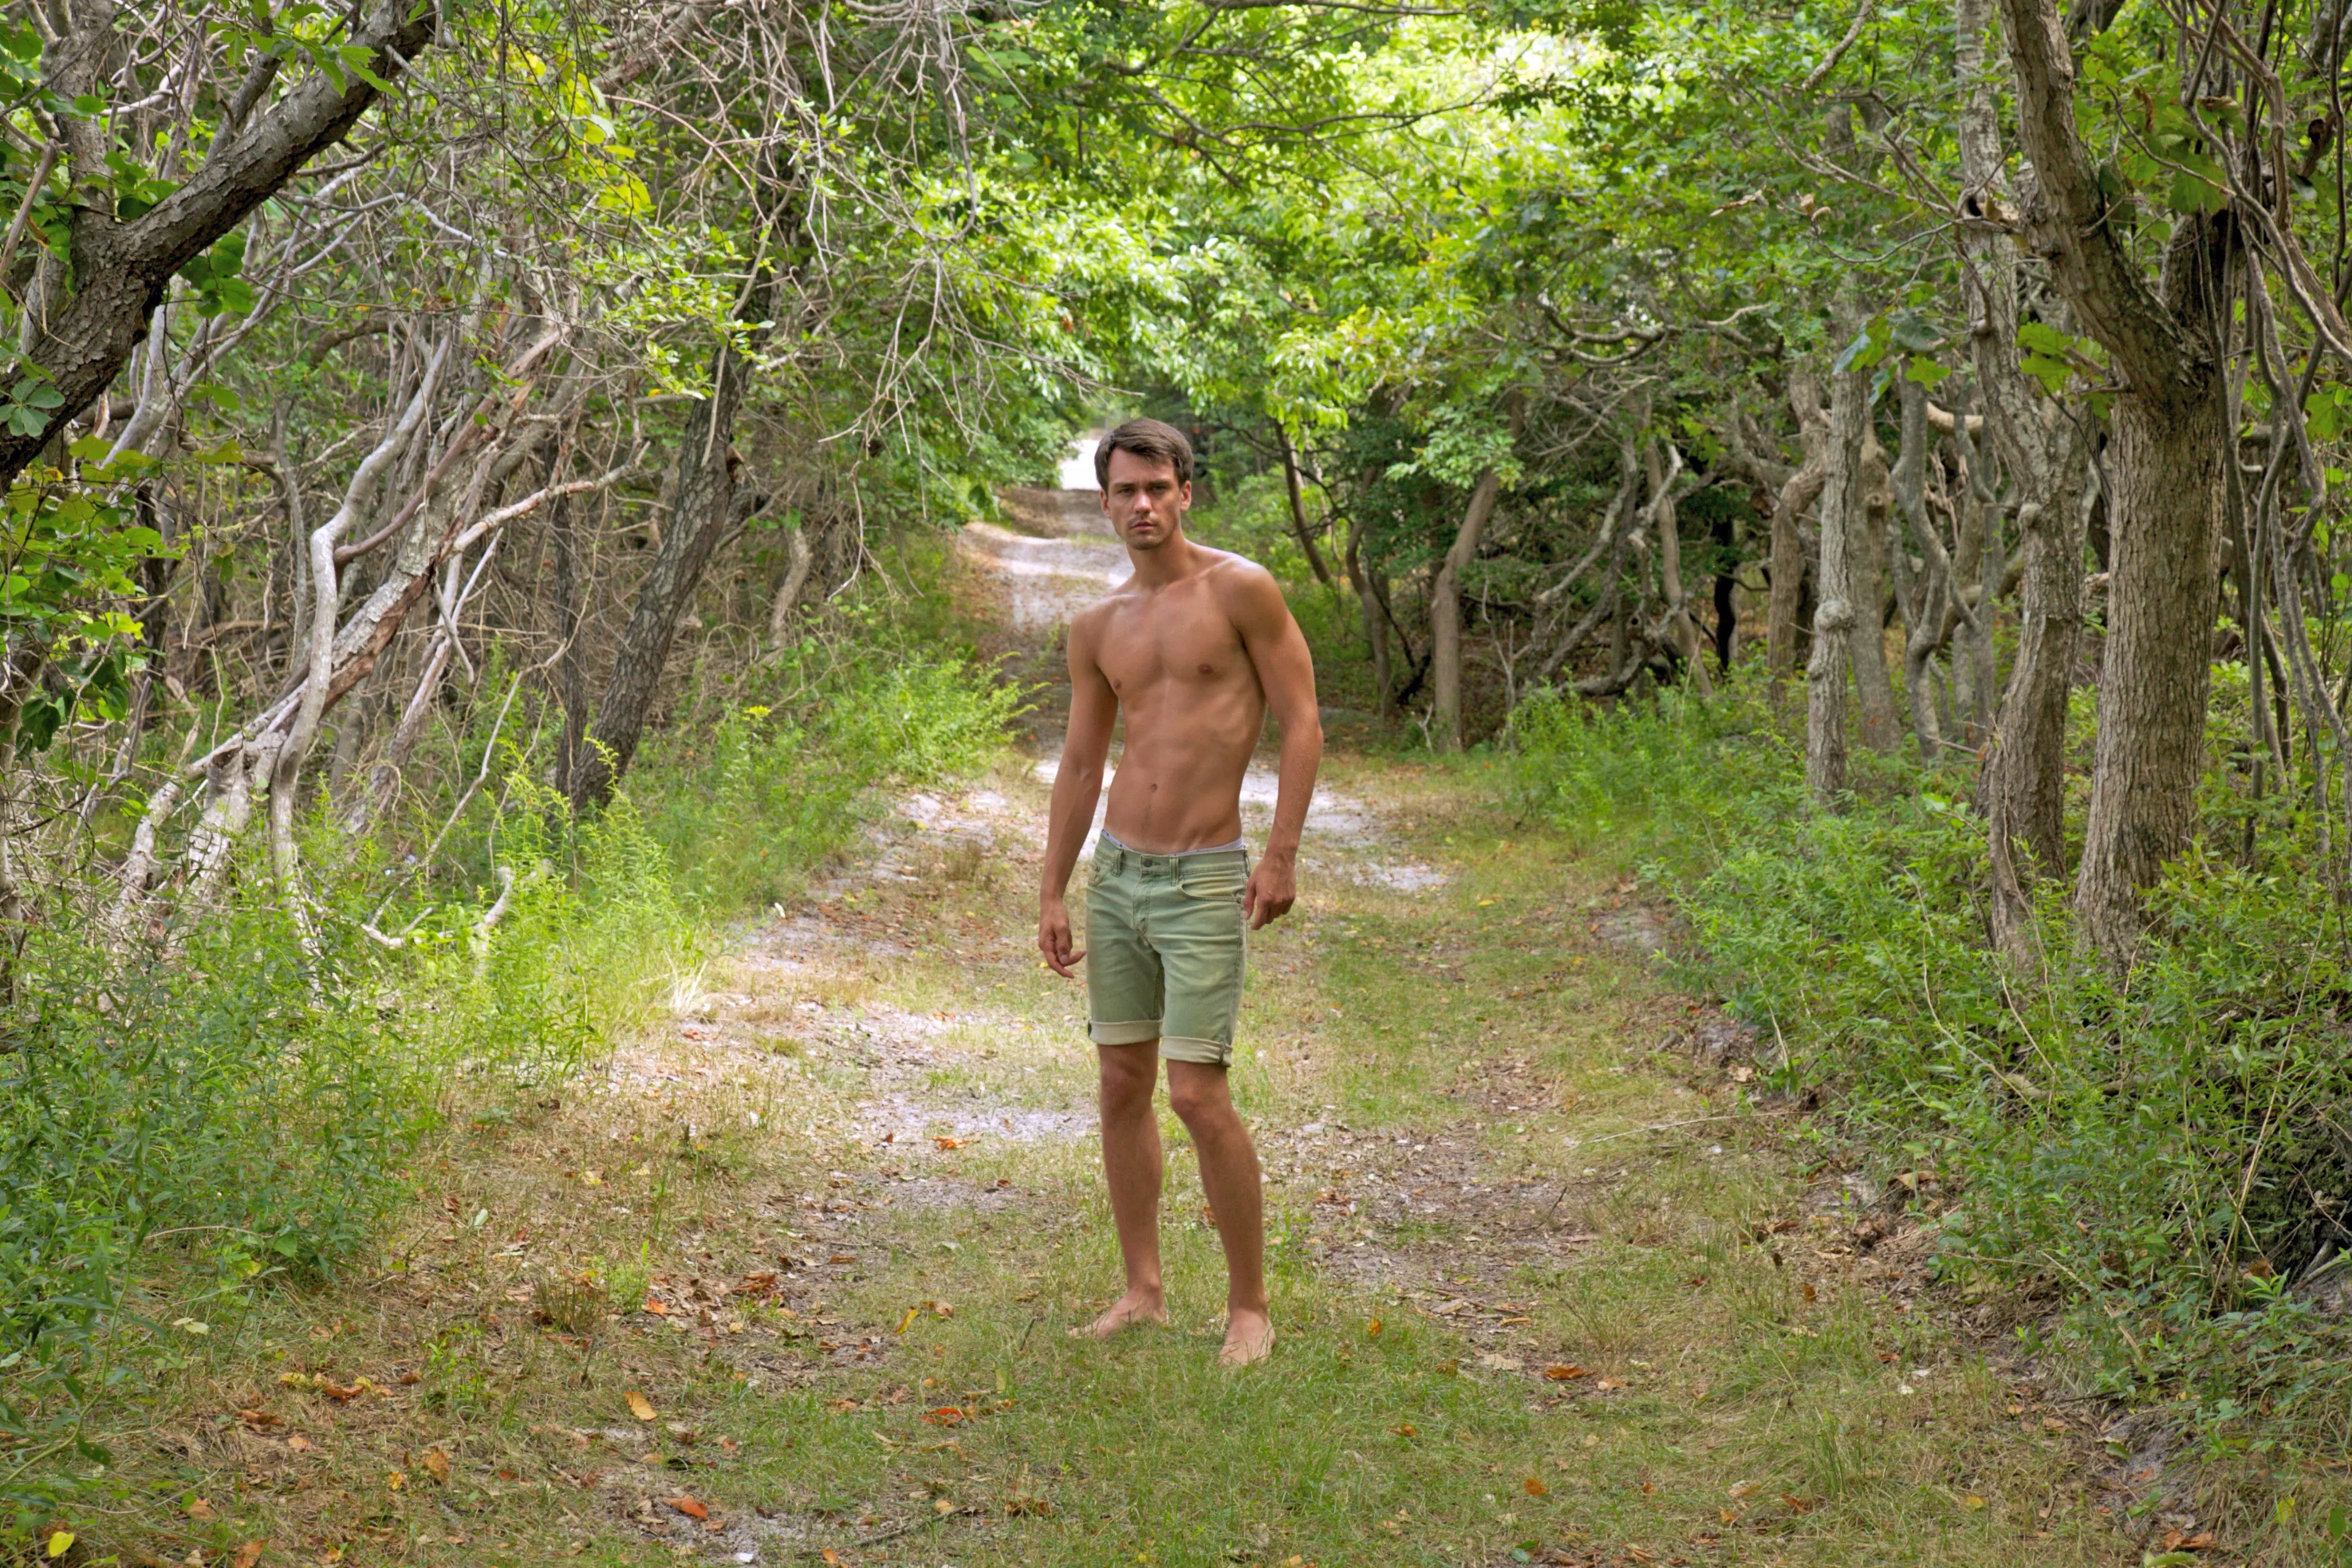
point(1286, 671)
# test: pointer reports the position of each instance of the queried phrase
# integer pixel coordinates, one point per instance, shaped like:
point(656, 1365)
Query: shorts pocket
point(1214, 881)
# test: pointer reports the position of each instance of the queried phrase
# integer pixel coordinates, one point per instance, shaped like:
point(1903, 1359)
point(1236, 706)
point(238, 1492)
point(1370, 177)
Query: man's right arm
point(1093, 708)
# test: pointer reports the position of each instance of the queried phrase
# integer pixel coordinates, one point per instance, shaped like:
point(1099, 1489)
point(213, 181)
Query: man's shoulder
point(1229, 572)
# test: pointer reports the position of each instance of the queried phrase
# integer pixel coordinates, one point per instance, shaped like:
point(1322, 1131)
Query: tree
point(2165, 457)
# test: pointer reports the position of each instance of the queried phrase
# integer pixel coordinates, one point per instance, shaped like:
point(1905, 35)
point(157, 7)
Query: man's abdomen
point(1178, 783)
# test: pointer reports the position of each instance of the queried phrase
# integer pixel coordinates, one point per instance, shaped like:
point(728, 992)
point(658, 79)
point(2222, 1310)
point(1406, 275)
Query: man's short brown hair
point(1153, 440)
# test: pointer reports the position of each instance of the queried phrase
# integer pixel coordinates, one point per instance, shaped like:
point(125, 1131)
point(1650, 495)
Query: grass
point(1462, 1094)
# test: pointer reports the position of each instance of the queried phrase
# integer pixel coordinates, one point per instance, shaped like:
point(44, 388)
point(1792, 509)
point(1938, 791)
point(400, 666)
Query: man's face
point(1144, 499)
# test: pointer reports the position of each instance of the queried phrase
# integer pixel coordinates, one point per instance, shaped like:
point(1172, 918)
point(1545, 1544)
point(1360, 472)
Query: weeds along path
point(790, 1280)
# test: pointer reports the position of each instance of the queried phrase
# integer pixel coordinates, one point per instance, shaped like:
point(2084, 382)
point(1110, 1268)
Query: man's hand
point(1053, 938)
point(1273, 889)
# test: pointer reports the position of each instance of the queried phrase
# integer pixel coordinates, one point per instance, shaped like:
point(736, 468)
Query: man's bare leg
point(1131, 1164)
point(1229, 1176)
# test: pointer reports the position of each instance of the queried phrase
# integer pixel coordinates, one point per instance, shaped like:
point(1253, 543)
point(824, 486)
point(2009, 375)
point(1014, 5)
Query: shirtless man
point(1193, 649)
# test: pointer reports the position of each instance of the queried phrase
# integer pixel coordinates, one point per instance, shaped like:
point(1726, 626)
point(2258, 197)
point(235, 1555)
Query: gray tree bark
point(1865, 559)
point(119, 269)
point(1799, 490)
point(2022, 788)
point(1843, 508)
point(2166, 460)
point(703, 509)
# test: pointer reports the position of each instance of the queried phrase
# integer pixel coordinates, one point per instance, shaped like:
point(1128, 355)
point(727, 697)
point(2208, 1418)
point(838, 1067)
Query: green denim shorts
point(1166, 942)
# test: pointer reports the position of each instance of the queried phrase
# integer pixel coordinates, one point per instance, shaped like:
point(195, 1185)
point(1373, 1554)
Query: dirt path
point(789, 1281)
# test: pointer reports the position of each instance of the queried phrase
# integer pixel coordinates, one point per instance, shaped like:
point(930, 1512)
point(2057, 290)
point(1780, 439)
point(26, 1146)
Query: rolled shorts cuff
point(1207, 1053)
point(1134, 1033)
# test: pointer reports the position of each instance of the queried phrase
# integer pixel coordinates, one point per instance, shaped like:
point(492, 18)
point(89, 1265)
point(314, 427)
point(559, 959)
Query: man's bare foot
point(1249, 1338)
point(1135, 1307)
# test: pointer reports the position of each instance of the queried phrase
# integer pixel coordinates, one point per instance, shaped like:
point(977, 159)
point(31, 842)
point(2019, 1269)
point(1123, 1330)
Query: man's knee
point(1128, 1074)
point(1198, 1095)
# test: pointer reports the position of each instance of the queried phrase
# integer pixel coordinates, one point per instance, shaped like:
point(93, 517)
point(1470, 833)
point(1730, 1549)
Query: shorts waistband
point(1113, 856)
point(1237, 847)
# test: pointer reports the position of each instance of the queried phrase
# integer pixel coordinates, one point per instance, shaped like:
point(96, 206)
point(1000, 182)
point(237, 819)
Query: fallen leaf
point(1494, 1361)
point(437, 1462)
point(505, 1474)
point(408, 1379)
point(656, 1305)
point(944, 1506)
point(199, 1509)
point(1747, 1489)
point(841, 1258)
point(1808, 1293)
point(1608, 1382)
point(1559, 1373)
point(2181, 1541)
point(61, 1543)
point(1972, 1502)
point(951, 1143)
point(299, 1444)
point(397, 1481)
point(841, 1406)
point(258, 1419)
point(1534, 1487)
point(247, 1554)
point(1407, 1430)
point(829, 1557)
point(688, 1507)
point(1796, 1504)
point(639, 1406)
point(945, 1415)
point(1372, 1328)
point(912, 1312)
point(1728, 1516)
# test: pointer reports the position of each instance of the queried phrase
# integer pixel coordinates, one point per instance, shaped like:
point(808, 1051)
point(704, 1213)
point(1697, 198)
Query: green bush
point(235, 1099)
point(137, 1180)
point(2149, 1160)
point(783, 780)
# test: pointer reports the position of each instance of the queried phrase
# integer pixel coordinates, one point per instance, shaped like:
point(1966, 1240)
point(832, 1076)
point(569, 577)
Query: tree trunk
point(1679, 629)
point(1865, 562)
point(2161, 600)
point(1446, 599)
point(1801, 490)
point(799, 558)
point(1446, 615)
point(571, 669)
point(2021, 789)
point(121, 267)
point(703, 509)
point(1844, 508)
point(1368, 605)
point(2166, 460)
point(1299, 508)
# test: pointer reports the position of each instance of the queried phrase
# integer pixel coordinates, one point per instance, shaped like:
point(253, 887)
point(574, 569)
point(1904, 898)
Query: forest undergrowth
point(227, 1103)
point(2145, 1178)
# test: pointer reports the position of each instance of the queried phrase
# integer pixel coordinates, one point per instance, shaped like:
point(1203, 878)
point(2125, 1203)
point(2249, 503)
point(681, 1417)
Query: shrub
point(2155, 1158)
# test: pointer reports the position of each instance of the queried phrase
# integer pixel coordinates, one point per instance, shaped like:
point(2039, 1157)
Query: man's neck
point(1172, 562)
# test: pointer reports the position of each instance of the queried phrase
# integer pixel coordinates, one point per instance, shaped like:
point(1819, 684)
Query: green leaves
point(30, 404)
point(2053, 357)
point(219, 289)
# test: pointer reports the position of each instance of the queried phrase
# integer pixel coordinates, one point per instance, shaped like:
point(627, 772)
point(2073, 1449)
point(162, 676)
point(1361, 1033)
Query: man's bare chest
point(1156, 645)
